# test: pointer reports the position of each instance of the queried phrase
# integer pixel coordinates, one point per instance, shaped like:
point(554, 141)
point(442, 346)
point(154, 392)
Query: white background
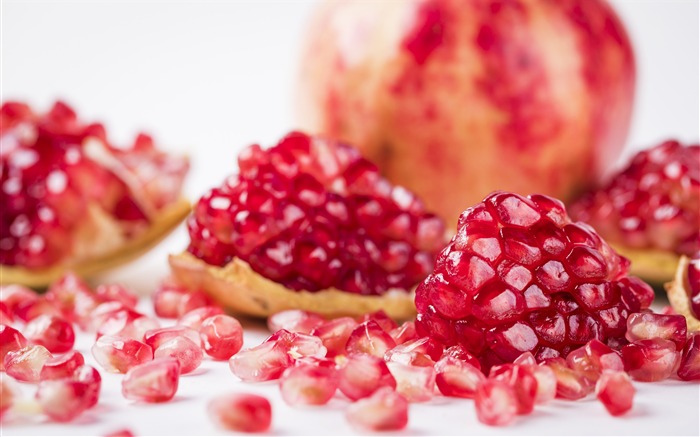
point(209, 77)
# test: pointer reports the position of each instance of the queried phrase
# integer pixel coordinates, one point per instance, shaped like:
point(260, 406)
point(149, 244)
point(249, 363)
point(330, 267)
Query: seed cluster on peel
point(312, 214)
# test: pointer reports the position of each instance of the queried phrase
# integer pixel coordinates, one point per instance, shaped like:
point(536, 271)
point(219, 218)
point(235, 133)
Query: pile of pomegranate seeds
point(54, 168)
point(312, 214)
point(653, 203)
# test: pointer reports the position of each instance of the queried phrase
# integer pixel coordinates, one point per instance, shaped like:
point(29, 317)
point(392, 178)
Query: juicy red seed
point(602, 356)
point(62, 366)
point(264, 362)
point(405, 332)
point(36, 308)
point(294, 321)
point(546, 383)
point(184, 350)
point(650, 360)
point(10, 340)
point(117, 292)
point(127, 323)
point(423, 351)
point(53, 333)
point(166, 300)
point(383, 320)
point(6, 317)
point(193, 319)
point(457, 378)
point(241, 412)
point(369, 338)
point(119, 354)
point(155, 337)
point(17, 296)
point(523, 382)
point(460, 353)
point(154, 381)
point(63, 399)
point(647, 326)
point(689, 369)
point(192, 300)
point(105, 311)
point(334, 334)
point(496, 403)
point(384, 410)
point(221, 336)
point(571, 384)
point(298, 345)
point(615, 391)
point(306, 384)
point(416, 384)
point(362, 375)
point(90, 376)
point(25, 364)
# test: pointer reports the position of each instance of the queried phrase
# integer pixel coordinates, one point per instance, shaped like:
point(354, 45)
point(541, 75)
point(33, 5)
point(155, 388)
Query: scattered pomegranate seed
point(106, 311)
point(457, 378)
point(496, 403)
point(689, 369)
point(15, 296)
point(571, 384)
point(241, 412)
point(334, 334)
point(184, 350)
point(294, 321)
point(362, 374)
point(422, 351)
point(384, 410)
point(307, 384)
point(154, 381)
point(650, 360)
point(62, 399)
point(221, 336)
point(155, 337)
point(646, 326)
point(73, 298)
point(523, 382)
point(264, 362)
point(10, 340)
point(416, 384)
point(127, 323)
point(25, 364)
point(62, 366)
point(6, 317)
point(119, 354)
point(404, 333)
point(299, 345)
point(369, 338)
point(172, 300)
point(616, 392)
point(54, 333)
point(91, 377)
point(546, 383)
point(193, 319)
point(117, 292)
point(39, 307)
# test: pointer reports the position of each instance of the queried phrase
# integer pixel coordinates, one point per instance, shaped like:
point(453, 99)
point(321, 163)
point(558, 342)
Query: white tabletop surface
point(210, 77)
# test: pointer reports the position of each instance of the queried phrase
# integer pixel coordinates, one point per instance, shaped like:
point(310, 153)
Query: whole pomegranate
point(456, 98)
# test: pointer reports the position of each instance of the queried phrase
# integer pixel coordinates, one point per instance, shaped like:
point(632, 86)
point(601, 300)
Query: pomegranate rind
point(242, 290)
point(162, 224)
point(653, 265)
point(678, 295)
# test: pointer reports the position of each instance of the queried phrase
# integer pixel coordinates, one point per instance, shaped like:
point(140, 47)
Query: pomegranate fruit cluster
point(66, 191)
point(312, 214)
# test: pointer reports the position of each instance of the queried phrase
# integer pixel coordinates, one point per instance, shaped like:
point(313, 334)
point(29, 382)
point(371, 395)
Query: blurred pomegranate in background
point(455, 98)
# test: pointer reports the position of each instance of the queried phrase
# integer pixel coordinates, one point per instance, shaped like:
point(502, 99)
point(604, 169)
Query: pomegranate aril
point(384, 410)
point(307, 384)
point(62, 366)
point(334, 334)
point(72, 297)
point(615, 391)
point(570, 383)
point(299, 345)
point(383, 320)
point(221, 336)
point(405, 332)
point(39, 307)
point(523, 382)
point(647, 326)
point(460, 353)
point(16, 296)
point(362, 374)
point(368, 337)
point(526, 359)
point(603, 357)
point(416, 384)
point(689, 369)
point(119, 354)
point(264, 362)
point(184, 350)
point(91, 377)
point(650, 360)
point(166, 300)
point(423, 351)
point(63, 399)
point(6, 317)
point(294, 321)
point(54, 333)
point(193, 319)
point(457, 378)
point(241, 412)
point(154, 381)
point(117, 292)
point(25, 364)
point(10, 340)
point(106, 311)
point(495, 402)
point(155, 337)
point(129, 324)
point(546, 383)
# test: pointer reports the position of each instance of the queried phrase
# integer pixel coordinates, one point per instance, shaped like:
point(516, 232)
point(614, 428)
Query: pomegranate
point(438, 92)
point(309, 224)
point(241, 412)
point(72, 200)
point(684, 291)
point(650, 209)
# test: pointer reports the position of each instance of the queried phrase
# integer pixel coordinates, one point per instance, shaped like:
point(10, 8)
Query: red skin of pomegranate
point(438, 92)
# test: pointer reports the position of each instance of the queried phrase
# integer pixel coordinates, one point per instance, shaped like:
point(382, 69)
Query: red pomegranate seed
point(416, 384)
point(689, 369)
point(91, 377)
point(264, 362)
point(127, 323)
point(54, 333)
point(17, 296)
point(334, 334)
point(526, 359)
point(117, 292)
point(650, 360)
point(570, 383)
point(647, 326)
point(39, 307)
point(221, 336)
point(457, 378)
point(615, 391)
point(194, 318)
point(119, 354)
point(62, 399)
point(405, 332)
point(62, 366)
point(369, 338)
point(6, 317)
point(460, 353)
point(192, 300)
point(496, 403)
point(166, 300)
point(294, 321)
point(383, 320)
point(25, 364)
point(603, 357)
point(154, 381)
point(299, 345)
point(10, 340)
point(155, 337)
point(306, 384)
point(362, 375)
point(384, 410)
point(241, 412)
point(184, 350)
point(423, 351)
point(546, 383)
point(523, 382)
point(73, 298)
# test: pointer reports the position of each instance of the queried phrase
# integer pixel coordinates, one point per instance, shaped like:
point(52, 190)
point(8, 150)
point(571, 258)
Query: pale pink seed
point(334, 334)
point(184, 350)
point(90, 376)
point(104, 311)
point(166, 301)
point(382, 319)
point(294, 321)
point(84, 304)
point(241, 412)
point(369, 338)
point(193, 319)
point(62, 366)
point(16, 296)
point(416, 384)
point(62, 399)
point(457, 378)
point(647, 326)
point(460, 353)
point(651, 360)
point(117, 292)
point(299, 345)
point(54, 333)
point(570, 384)
point(523, 382)
point(384, 410)
point(10, 340)
point(221, 336)
point(119, 354)
point(419, 352)
point(495, 402)
point(6, 317)
point(615, 391)
point(306, 384)
point(155, 337)
point(546, 383)
point(25, 364)
point(405, 332)
point(579, 361)
point(362, 375)
point(689, 369)
point(154, 381)
point(191, 300)
point(264, 362)
point(127, 323)
point(526, 358)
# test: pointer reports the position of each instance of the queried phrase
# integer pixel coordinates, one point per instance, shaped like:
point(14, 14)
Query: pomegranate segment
point(187, 353)
point(457, 378)
point(62, 366)
point(91, 377)
point(369, 338)
point(25, 364)
point(647, 326)
point(221, 336)
point(689, 369)
point(54, 333)
point(63, 400)
point(496, 403)
point(615, 391)
point(10, 340)
point(154, 381)
point(264, 362)
point(384, 410)
point(119, 354)
point(294, 321)
point(362, 374)
point(650, 360)
point(334, 334)
point(241, 412)
point(307, 384)
point(416, 384)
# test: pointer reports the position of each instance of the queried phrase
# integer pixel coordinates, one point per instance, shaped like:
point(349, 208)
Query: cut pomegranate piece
point(615, 391)
point(241, 412)
point(496, 403)
point(63, 399)
point(307, 384)
point(154, 381)
point(188, 353)
point(684, 291)
point(689, 369)
point(526, 297)
point(10, 340)
point(369, 338)
point(650, 360)
point(25, 364)
point(458, 378)
point(647, 326)
point(309, 215)
point(221, 336)
point(416, 384)
point(294, 321)
point(119, 354)
point(650, 209)
point(264, 362)
point(91, 377)
point(523, 382)
point(334, 334)
point(384, 410)
point(155, 337)
point(62, 366)
point(55, 334)
point(194, 318)
point(73, 200)
point(362, 375)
